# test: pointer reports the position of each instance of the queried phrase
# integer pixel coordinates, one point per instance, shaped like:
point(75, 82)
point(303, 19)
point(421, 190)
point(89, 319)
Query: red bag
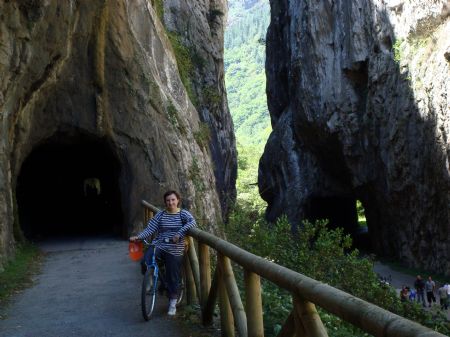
point(136, 250)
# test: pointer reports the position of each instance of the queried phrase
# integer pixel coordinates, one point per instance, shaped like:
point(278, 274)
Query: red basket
point(136, 250)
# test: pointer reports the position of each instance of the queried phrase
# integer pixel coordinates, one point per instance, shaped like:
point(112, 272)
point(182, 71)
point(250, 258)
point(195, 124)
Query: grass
point(18, 273)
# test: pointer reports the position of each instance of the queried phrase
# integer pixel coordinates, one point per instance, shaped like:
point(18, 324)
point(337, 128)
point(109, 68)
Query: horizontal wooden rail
point(306, 293)
point(150, 206)
point(366, 316)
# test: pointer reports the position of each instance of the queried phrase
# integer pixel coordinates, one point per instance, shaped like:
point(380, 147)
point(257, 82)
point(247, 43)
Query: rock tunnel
point(69, 186)
point(340, 212)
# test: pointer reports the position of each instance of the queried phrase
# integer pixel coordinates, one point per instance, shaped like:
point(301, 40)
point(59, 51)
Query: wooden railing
point(306, 294)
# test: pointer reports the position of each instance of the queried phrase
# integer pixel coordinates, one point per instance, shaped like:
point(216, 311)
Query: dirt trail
point(87, 287)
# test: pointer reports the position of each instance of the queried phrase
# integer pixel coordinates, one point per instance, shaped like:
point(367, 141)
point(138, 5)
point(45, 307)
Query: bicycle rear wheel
point(148, 293)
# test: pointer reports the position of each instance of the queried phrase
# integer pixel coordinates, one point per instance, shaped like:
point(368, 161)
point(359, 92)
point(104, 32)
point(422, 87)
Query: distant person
point(412, 295)
point(420, 289)
point(443, 297)
point(404, 294)
point(429, 288)
point(171, 225)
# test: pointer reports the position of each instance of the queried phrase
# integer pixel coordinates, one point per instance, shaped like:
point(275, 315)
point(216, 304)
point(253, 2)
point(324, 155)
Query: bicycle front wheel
point(148, 293)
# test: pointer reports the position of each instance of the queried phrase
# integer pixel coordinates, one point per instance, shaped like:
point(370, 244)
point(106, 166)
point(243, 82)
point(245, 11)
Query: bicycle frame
point(154, 262)
point(150, 286)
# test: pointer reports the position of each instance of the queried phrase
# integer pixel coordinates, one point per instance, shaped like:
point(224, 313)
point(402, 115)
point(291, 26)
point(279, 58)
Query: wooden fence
point(306, 294)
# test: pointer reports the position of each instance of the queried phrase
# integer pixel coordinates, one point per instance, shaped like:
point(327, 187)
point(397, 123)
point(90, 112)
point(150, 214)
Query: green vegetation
point(211, 96)
point(18, 272)
point(158, 5)
point(248, 195)
point(361, 214)
point(245, 82)
point(184, 62)
point(172, 112)
point(397, 49)
point(195, 175)
point(203, 135)
point(316, 251)
point(324, 255)
point(175, 119)
point(244, 71)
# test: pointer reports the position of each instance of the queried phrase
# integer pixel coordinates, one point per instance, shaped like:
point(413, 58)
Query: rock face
point(200, 25)
point(358, 94)
point(104, 77)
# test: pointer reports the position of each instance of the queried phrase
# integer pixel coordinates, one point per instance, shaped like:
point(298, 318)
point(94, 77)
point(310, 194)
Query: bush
point(325, 255)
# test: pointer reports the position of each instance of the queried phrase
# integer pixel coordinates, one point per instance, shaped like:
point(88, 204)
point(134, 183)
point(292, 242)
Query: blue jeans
point(173, 266)
point(421, 297)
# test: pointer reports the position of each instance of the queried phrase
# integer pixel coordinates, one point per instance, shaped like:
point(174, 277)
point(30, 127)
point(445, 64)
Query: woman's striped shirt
point(167, 225)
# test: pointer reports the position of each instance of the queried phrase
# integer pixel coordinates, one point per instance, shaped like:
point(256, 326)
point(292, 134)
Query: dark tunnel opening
point(69, 186)
point(342, 212)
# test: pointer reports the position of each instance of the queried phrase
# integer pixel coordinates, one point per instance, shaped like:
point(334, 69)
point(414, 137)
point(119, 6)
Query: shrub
point(203, 135)
point(325, 255)
point(184, 62)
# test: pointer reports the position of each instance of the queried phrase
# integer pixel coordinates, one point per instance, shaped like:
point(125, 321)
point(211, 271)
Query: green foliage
point(184, 62)
point(324, 255)
point(244, 71)
point(17, 273)
point(246, 183)
point(195, 175)
point(203, 135)
point(172, 113)
point(397, 49)
point(158, 5)
point(175, 119)
point(211, 95)
point(361, 214)
point(245, 24)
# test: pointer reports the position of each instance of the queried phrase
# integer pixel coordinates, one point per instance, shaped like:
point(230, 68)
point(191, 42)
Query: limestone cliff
point(358, 94)
point(108, 72)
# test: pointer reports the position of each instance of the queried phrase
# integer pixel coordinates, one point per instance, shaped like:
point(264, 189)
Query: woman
point(171, 225)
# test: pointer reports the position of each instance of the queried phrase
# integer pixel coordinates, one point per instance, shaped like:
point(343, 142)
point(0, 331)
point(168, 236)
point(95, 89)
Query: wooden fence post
point(226, 316)
point(288, 328)
point(205, 272)
point(208, 310)
point(233, 295)
point(194, 265)
point(253, 304)
point(190, 282)
point(309, 317)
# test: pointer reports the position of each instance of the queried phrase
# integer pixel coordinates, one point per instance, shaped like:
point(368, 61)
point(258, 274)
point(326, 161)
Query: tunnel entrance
point(340, 212)
point(69, 185)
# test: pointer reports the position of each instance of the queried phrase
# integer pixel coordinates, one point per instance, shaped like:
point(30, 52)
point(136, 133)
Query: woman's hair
point(172, 192)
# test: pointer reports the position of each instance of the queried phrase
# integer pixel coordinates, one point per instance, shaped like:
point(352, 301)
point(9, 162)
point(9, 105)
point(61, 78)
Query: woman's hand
point(133, 238)
point(176, 238)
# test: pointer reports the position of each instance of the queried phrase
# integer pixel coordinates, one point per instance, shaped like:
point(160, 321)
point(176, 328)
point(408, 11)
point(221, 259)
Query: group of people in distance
point(428, 288)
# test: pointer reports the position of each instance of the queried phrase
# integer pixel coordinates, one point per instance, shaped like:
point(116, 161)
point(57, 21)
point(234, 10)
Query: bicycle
point(155, 273)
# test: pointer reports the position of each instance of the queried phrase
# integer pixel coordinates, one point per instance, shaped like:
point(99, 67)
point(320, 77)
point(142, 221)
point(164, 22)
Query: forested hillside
point(245, 81)
point(244, 69)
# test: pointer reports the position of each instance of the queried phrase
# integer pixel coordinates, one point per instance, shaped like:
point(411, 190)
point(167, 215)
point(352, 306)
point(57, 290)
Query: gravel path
point(87, 287)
